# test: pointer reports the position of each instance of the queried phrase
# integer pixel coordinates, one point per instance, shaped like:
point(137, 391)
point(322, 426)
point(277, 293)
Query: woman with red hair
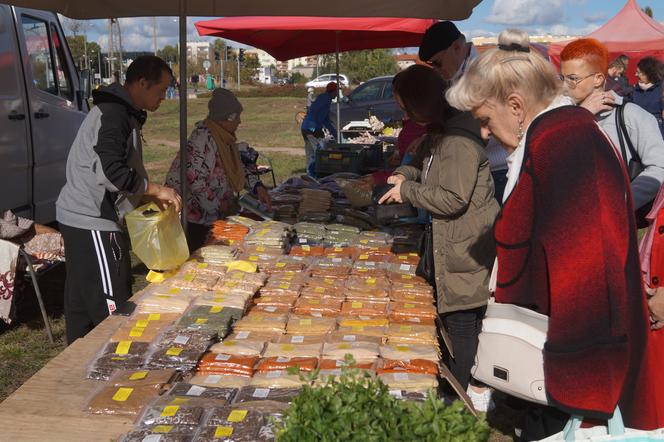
point(584, 70)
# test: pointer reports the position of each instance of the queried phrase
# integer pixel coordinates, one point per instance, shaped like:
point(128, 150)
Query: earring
point(519, 134)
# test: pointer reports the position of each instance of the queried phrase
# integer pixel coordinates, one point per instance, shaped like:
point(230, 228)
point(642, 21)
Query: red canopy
point(630, 32)
point(292, 37)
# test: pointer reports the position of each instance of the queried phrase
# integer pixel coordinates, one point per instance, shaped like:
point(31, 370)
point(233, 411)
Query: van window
point(388, 94)
point(61, 68)
point(47, 58)
point(368, 92)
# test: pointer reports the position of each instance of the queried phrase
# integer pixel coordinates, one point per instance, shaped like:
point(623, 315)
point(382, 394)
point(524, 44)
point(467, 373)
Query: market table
point(49, 406)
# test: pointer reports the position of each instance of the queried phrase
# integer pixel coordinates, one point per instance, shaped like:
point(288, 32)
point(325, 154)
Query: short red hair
point(590, 50)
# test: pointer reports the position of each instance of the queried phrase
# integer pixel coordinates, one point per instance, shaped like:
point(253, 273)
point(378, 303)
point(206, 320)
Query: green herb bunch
point(355, 407)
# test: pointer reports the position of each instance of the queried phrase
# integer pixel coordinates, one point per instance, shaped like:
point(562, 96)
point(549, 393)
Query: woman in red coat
point(566, 238)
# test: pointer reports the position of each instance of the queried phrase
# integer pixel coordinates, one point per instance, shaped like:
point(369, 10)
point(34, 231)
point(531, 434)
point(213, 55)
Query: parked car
point(373, 97)
point(43, 101)
point(323, 80)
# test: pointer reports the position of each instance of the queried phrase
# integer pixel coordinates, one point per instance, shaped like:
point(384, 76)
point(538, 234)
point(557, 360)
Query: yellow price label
point(136, 332)
point(281, 265)
point(306, 248)
point(223, 432)
point(260, 249)
point(402, 348)
point(338, 249)
point(202, 265)
point(122, 394)
point(403, 257)
point(162, 429)
point(409, 305)
point(319, 290)
point(371, 281)
point(313, 301)
point(284, 286)
point(345, 346)
point(216, 309)
point(138, 376)
point(201, 321)
point(364, 257)
point(357, 304)
point(142, 323)
point(174, 351)
point(219, 299)
point(407, 277)
point(189, 277)
point(357, 328)
point(253, 258)
point(174, 291)
point(123, 347)
point(170, 410)
point(364, 241)
point(405, 328)
point(287, 347)
point(237, 415)
point(408, 286)
point(229, 343)
point(329, 281)
point(154, 317)
point(305, 322)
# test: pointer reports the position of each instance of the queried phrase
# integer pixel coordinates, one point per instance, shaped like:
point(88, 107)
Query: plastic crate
point(330, 161)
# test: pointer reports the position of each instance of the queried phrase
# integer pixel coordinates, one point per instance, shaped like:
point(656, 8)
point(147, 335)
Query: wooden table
point(49, 406)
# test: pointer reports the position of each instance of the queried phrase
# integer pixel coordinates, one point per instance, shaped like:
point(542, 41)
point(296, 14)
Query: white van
point(43, 101)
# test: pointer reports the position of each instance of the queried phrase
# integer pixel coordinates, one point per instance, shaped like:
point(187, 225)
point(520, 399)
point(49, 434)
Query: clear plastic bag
point(157, 237)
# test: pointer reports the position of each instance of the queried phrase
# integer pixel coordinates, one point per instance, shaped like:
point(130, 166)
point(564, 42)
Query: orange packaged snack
point(422, 366)
point(283, 363)
point(317, 306)
point(340, 252)
point(307, 251)
point(364, 308)
point(221, 363)
point(400, 310)
point(405, 258)
point(333, 364)
point(410, 297)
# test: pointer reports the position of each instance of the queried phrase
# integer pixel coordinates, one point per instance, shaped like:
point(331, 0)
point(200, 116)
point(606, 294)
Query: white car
point(322, 80)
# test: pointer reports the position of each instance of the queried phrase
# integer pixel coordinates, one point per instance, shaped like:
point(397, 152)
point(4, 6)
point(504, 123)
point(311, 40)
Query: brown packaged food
point(364, 308)
point(259, 336)
point(335, 364)
point(406, 278)
point(399, 333)
point(162, 433)
point(405, 258)
point(279, 309)
point(126, 355)
point(399, 310)
point(308, 325)
point(124, 401)
point(137, 334)
point(172, 415)
point(301, 339)
point(139, 378)
point(275, 299)
point(184, 390)
point(142, 319)
point(220, 380)
point(318, 306)
point(408, 366)
point(319, 292)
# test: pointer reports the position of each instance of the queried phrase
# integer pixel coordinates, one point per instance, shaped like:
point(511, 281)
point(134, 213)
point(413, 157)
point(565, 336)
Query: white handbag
point(509, 354)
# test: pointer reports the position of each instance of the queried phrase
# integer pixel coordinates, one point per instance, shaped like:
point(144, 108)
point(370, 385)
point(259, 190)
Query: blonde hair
point(499, 72)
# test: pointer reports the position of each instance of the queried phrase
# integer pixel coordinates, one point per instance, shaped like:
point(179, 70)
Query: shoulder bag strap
point(628, 141)
point(619, 125)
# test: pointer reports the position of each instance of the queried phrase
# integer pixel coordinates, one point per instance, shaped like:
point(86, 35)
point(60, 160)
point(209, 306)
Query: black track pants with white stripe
point(98, 277)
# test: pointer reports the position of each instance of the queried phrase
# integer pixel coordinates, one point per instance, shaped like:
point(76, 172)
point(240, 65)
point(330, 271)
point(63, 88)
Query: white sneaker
point(481, 401)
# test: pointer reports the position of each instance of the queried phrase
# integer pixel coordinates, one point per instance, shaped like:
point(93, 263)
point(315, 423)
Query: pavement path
point(285, 150)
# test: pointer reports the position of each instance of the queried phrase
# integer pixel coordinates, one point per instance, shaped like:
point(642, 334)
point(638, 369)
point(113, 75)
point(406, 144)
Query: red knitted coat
point(566, 247)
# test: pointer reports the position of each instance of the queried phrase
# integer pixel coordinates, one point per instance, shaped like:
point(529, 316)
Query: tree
point(298, 78)
point(77, 45)
point(648, 11)
point(168, 53)
point(249, 67)
point(361, 65)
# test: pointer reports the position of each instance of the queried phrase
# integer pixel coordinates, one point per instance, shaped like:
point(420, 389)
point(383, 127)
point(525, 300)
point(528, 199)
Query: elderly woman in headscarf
point(216, 173)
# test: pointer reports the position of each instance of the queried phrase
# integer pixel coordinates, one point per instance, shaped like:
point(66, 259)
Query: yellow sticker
point(305, 322)
point(362, 270)
point(281, 265)
point(329, 281)
point(405, 328)
point(142, 323)
point(357, 328)
point(356, 304)
point(174, 291)
point(154, 317)
point(136, 332)
point(338, 249)
point(253, 258)
point(162, 429)
point(406, 277)
point(122, 394)
point(364, 257)
point(138, 376)
point(219, 299)
point(237, 415)
point(237, 276)
point(123, 347)
point(364, 241)
point(231, 284)
point(202, 265)
point(284, 286)
point(216, 309)
point(409, 305)
point(306, 248)
point(229, 343)
point(402, 348)
point(319, 290)
point(201, 321)
point(287, 347)
point(179, 401)
point(170, 410)
point(223, 432)
point(411, 297)
point(345, 346)
point(174, 351)
point(313, 301)
point(287, 277)
point(260, 249)
point(408, 286)
point(403, 257)
point(189, 277)
point(371, 281)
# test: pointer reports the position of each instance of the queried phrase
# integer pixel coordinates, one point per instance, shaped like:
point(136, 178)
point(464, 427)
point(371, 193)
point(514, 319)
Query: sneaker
point(481, 401)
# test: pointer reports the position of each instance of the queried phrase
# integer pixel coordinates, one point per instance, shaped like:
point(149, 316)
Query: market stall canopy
point(630, 32)
point(291, 37)
point(87, 9)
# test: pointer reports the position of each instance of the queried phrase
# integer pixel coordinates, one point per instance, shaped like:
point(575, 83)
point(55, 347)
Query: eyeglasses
point(573, 81)
point(435, 64)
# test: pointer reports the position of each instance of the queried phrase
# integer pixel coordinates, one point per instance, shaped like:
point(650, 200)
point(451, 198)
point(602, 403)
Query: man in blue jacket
point(318, 117)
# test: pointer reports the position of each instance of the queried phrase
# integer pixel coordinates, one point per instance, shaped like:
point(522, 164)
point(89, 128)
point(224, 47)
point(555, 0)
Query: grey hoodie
point(643, 131)
point(105, 174)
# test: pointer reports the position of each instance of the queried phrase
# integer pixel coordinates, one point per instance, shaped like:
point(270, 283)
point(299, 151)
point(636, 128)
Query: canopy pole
point(338, 90)
point(183, 111)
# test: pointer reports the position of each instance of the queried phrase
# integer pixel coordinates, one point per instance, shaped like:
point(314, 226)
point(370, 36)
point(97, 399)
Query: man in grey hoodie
point(105, 180)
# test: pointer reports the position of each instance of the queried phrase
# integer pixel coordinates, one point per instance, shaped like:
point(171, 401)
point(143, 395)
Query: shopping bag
point(615, 431)
point(157, 237)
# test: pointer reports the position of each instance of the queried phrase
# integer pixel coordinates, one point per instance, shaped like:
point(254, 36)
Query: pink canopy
point(292, 37)
point(630, 32)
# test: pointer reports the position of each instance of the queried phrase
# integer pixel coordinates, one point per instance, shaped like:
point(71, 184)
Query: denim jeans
point(463, 328)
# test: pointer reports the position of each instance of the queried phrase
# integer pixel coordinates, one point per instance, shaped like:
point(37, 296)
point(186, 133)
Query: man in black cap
point(445, 49)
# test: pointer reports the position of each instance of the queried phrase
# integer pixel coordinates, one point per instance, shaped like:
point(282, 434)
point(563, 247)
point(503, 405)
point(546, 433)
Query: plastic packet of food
point(162, 433)
point(337, 364)
point(278, 309)
point(220, 380)
point(318, 306)
point(338, 337)
point(203, 268)
point(239, 347)
point(423, 366)
point(194, 393)
point(277, 300)
point(123, 355)
point(237, 302)
point(406, 278)
point(276, 379)
point(364, 308)
point(401, 310)
point(141, 378)
point(302, 339)
point(399, 333)
point(122, 401)
point(400, 296)
point(404, 269)
point(172, 415)
point(307, 250)
point(254, 395)
point(186, 338)
point(292, 350)
point(405, 258)
point(361, 351)
point(410, 351)
point(223, 363)
point(261, 322)
point(284, 363)
point(409, 381)
point(194, 280)
point(260, 336)
point(143, 319)
point(320, 292)
point(309, 325)
point(132, 332)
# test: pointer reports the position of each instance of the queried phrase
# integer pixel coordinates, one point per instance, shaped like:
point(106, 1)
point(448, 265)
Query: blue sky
point(559, 17)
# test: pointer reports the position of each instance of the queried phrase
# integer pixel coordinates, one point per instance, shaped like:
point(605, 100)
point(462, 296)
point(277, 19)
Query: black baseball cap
point(438, 38)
